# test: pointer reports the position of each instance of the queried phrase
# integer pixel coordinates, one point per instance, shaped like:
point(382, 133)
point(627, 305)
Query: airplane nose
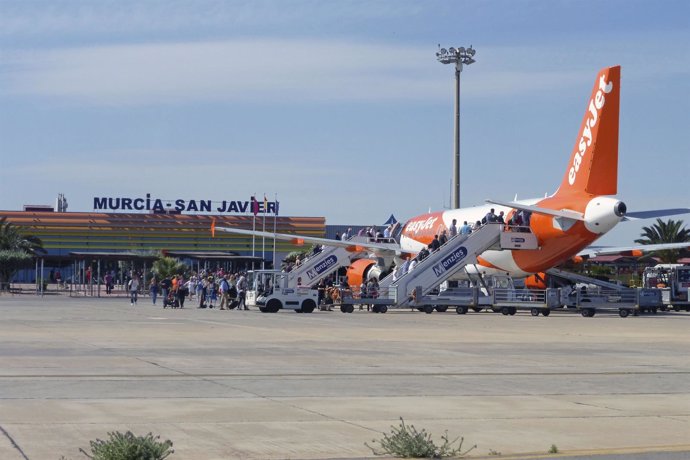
point(620, 209)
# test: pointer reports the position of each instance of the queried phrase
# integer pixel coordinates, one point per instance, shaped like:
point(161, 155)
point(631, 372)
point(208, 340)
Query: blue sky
point(338, 107)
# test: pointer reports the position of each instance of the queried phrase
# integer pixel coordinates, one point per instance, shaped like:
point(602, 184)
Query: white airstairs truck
point(415, 288)
point(273, 290)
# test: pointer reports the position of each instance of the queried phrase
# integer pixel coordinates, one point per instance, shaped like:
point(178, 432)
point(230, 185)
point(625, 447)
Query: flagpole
point(263, 237)
point(253, 228)
point(275, 216)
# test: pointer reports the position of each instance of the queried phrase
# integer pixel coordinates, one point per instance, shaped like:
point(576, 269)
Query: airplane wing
point(635, 215)
point(655, 213)
point(567, 213)
point(594, 251)
point(379, 248)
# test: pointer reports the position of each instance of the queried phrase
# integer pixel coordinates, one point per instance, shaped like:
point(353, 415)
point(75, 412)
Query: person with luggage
point(224, 289)
point(165, 286)
point(210, 288)
point(182, 290)
point(242, 292)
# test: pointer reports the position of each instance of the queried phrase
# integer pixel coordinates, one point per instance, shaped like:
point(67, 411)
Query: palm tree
point(665, 232)
point(16, 250)
point(11, 238)
point(166, 267)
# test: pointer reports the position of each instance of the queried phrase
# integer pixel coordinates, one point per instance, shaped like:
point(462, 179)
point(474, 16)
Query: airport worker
point(321, 288)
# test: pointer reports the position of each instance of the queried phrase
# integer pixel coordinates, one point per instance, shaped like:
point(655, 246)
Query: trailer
point(673, 281)
point(628, 301)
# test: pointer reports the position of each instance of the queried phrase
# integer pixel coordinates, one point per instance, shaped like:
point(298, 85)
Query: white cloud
point(106, 17)
point(255, 70)
point(260, 71)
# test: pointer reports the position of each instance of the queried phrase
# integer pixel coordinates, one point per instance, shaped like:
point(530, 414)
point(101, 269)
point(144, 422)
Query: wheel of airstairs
point(428, 309)
point(461, 310)
point(273, 306)
point(308, 306)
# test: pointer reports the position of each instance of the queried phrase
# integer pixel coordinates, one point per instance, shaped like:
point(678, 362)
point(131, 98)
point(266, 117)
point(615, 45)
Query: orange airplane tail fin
point(593, 166)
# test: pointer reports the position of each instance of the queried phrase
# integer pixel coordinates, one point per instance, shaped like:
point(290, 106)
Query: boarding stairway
point(442, 264)
point(331, 258)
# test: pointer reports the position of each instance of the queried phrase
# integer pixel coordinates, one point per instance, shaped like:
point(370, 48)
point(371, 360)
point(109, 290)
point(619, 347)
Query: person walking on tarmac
point(165, 286)
point(153, 289)
point(133, 289)
point(224, 292)
point(242, 292)
point(182, 290)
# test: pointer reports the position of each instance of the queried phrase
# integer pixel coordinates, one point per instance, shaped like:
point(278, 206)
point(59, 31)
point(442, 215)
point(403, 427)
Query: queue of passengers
point(225, 290)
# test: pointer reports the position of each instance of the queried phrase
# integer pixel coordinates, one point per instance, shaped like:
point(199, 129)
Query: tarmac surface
point(247, 385)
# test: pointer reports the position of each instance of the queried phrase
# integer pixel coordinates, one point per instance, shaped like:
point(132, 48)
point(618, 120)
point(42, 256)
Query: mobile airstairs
point(331, 258)
point(273, 290)
point(414, 288)
point(598, 295)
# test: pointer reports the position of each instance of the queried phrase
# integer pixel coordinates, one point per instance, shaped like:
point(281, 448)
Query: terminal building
point(110, 238)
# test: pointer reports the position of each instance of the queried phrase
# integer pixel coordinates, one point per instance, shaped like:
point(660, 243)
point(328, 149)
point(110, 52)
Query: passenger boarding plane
point(580, 211)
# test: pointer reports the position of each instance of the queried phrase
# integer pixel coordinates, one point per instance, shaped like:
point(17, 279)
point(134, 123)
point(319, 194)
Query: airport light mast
point(458, 57)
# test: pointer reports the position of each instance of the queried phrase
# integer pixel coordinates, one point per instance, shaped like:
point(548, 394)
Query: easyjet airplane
point(566, 223)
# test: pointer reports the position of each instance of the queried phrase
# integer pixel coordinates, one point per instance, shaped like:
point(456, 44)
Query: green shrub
point(553, 449)
point(407, 442)
point(129, 447)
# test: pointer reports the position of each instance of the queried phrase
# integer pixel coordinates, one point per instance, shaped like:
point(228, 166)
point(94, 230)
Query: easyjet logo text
point(595, 106)
point(418, 225)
